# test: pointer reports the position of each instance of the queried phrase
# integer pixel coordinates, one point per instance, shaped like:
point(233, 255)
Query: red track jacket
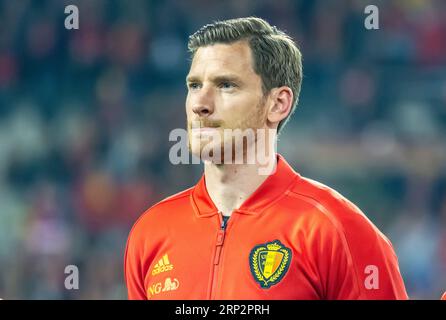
point(293, 238)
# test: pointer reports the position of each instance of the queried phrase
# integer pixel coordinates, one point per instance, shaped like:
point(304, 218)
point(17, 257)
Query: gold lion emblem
point(269, 263)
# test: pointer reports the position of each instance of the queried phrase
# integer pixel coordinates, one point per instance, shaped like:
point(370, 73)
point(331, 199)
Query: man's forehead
point(231, 57)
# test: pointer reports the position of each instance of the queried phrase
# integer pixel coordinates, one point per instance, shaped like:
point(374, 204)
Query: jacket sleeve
point(133, 270)
point(356, 261)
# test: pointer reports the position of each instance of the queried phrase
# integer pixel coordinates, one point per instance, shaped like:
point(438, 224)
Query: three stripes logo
point(162, 265)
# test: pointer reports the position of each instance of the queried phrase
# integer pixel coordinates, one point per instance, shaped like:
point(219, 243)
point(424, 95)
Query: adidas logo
point(162, 265)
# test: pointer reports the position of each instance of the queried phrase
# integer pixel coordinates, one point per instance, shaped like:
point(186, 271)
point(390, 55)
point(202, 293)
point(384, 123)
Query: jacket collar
point(270, 190)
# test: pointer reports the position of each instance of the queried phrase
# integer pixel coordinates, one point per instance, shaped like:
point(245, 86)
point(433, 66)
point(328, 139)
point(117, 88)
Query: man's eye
point(227, 85)
point(193, 85)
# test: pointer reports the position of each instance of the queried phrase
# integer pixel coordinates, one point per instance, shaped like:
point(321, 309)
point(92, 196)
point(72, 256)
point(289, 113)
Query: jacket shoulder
point(158, 212)
point(336, 209)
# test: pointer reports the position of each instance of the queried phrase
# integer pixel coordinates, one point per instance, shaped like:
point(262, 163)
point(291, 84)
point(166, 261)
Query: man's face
point(224, 92)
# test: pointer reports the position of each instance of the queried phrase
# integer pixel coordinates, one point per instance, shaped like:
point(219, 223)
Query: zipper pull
point(219, 244)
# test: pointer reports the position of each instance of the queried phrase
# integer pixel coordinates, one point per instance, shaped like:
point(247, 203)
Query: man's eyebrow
point(226, 77)
point(192, 79)
point(216, 79)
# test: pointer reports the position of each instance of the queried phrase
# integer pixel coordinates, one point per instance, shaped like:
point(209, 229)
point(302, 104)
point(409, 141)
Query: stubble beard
point(228, 142)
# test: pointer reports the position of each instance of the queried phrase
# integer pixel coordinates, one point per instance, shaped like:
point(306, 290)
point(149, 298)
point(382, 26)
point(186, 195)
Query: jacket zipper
point(219, 245)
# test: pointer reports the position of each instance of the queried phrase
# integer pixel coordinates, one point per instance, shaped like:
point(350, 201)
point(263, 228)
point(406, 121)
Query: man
point(241, 233)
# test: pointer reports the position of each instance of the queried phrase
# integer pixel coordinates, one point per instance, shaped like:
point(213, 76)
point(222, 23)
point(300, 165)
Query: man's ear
point(280, 104)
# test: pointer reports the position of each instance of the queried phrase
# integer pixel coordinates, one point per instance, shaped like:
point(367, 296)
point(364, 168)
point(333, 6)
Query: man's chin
point(207, 155)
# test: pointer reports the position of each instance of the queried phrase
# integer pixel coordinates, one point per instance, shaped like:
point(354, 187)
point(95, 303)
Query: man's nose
point(204, 105)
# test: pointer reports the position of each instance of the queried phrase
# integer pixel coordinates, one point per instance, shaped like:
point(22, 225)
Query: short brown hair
point(277, 59)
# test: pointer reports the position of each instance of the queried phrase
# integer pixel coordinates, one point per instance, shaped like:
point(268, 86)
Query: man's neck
point(229, 185)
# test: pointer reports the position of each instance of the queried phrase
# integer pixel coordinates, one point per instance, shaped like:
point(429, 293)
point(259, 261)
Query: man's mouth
point(204, 130)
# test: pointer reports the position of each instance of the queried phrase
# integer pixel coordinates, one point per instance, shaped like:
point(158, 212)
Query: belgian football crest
point(269, 262)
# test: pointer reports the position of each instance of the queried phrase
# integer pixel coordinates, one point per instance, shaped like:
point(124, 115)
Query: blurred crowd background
point(85, 117)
